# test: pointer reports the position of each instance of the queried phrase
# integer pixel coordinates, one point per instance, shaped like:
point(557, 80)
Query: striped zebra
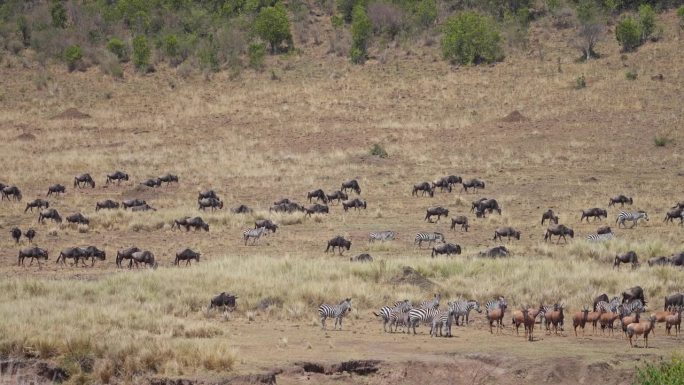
point(334, 311)
point(495, 304)
point(430, 238)
point(424, 316)
point(462, 308)
point(430, 304)
point(632, 307)
point(443, 321)
point(381, 236)
point(389, 313)
point(255, 234)
point(600, 237)
point(609, 307)
point(631, 217)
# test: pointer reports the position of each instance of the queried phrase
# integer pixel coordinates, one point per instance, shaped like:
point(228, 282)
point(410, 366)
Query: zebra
point(334, 311)
point(430, 304)
point(632, 307)
point(381, 236)
point(255, 234)
point(442, 321)
point(600, 237)
point(388, 313)
point(630, 216)
point(430, 238)
point(462, 308)
point(609, 307)
point(424, 316)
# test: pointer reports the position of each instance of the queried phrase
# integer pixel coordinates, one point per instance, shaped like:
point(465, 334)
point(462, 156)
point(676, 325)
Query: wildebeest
point(628, 257)
point(287, 207)
point(241, 209)
point(186, 255)
point(206, 194)
point(621, 199)
point(266, 223)
point(143, 207)
point(318, 194)
point(506, 231)
point(37, 203)
point(677, 259)
point(106, 204)
point(443, 184)
point(152, 182)
point(550, 216)
point(438, 211)
point(673, 213)
point(474, 184)
point(282, 201)
point(361, 258)
point(16, 234)
point(145, 257)
point(354, 203)
point(49, 214)
point(446, 248)
point(168, 178)
point(34, 253)
point(132, 203)
point(11, 192)
point(30, 234)
point(559, 230)
point(659, 261)
point(224, 300)
point(674, 300)
point(604, 230)
point(195, 222)
point(460, 220)
point(351, 185)
point(632, 294)
point(85, 180)
point(494, 252)
point(210, 202)
point(595, 212)
point(423, 187)
point(453, 179)
point(93, 253)
point(70, 252)
point(56, 189)
point(339, 196)
point(317, 209)
point(117, 176)
point(78, 218)
point(490, 205)
point(338, 242)
point(125, 254)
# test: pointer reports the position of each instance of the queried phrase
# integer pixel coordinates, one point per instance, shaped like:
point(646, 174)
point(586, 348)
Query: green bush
point(379, 151)
point(647, 20)
point(661, 140)
point(361, 30)
point(680, 13)
point(141, 53)
point(631, 75)
point(471, 38)
point(580, 83)
point(667, 373)
point(628, 33)
point(273, 27)
point(208, 55)
point(426, 13)
point(346, 8)
point(118, 48)
point(170, 46)
point(257, 53)
point(72, 54)
point(59, 14)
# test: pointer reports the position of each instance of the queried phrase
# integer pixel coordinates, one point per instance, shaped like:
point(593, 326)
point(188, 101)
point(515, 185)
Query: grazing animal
point(677, 259)
point(338, 242)
point(381, 236)
point(351, 185)
point(675, 321)
point(443, 184)
point(254, 234)
point(604, 230)
point(132, 203)
point(16, 234)
point(601, 298)
point(462, 308)
point(494, 252)
point(334, 311)
point(283, 201)
point(628, 257)
point(679, 204)
point(580, 319)
point(460, 220)
point(213, 203)
point(388, 312)
point(125, 254)
point(317, 209)
point(266, 223)
point(621, 199)
point(550, 216)
point(438, 211)
point(430, 238)
point(152, 182)
point(560, 230)
point(224, 300)
point(600, 237)
point(78, 218)
point(361, 258)
point(630, 216)
point(446, 248)
point(354, 203)
point(85, 180)
point(506, 231)
point(11, 192)
point(117, 176)
point(339, 196)
point(633, 294)
point(241, 209)
point(34, 253)
point(474, 184)
point(430, 303)
point(555, 317)
point(318, 194)
point(49, 214)
point(626, 319)
point(206, 194)
point(30, 234)
point(594, 212)
point(186, 255)
point(37, 203)
point(676, 299)
point(674, 213)
point(195, 222)
point(641, 328)
point(490, 205)
point(144, 207)
point(56, 189)
point(145, 257)
point(519, 319)
point(168, 178)
point(495, 311)
point(453, 179)
point(424, 188)
point(529, 321)
point(422, 315)
point(659, 261)
point(607, 321)
point(442, 321)
point(287, 207)
point(106, 204)
point(93, 253)
point(476, 204)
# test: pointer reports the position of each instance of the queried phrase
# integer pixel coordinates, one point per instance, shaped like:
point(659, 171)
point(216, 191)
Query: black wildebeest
point(673, 213)
point(186, 255)
point(339, 196)
point(354, 203)
point(56, 189)
point(196, 223)
point(34, 253)
point(338, 242)
point(317, 209)
point(30, 234)
point(168, 178)
point(125, 254)
point(446, 248)
point(453, 179)
point(144, 207)
point(85, 180)
point(93, 253)
point(37, 203)
point(632, 294)
point(559, 230)
point(621, 199)
point(16, 234)
point(225, 300)
point(550, 216)
point(604, 230)
point(266, 223)
point(595, 212)
point(361, 258)
point(659, 261)
point(78, 219)
point(438, 211)
point(423, 187)
point(318, 194)
point(443, 184)
point(106, 204)
point(11, 192)
point(476, 204)
point(474, 184)
point(241, 209)
point(494, 252)
point(674, 300)
point(490, 205)
point(49, 214)
point(152, 182)
point(351, 185)
point(281, 202)
point(117, 176)
point(506, 231)
point(71, 253)
point(678, 204)
point(132, 203)
point(628, 257)
point(286, 207)
point(177, 223)
point(210, 202)
point(460, 220)
point(678, 259)
point(145, 257)
point(206, 194)
point(601, 298)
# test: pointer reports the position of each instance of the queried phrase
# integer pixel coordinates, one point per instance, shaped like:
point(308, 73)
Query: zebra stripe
point(632, 307)
point(424, 316)
point(388, 313)
point(630, 216)
point(442, 320)
point(600, 237)
point(334, 311)
point(430, 304)
point(381, 236)
point(462, 309)
point(428, 237)
point(255, 234)
point(609, 307)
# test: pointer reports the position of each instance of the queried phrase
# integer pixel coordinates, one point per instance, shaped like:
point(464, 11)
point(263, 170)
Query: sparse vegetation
point(141, 53)
point(631, 75)
point(257, 53)
point(661, 140)
point(471, 38)
point(666, 372)
point(680, 15)
point(580, 82)
point(379, 151)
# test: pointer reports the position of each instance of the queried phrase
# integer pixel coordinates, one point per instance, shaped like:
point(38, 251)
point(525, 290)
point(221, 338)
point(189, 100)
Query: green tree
point(118, 48)
point(590, 16)
point(72, 54)
point(273, 26)
point(471, 38)
point(141, 53)
point(361, 30)
point(257, 52)
point(346, 8)
point(647, 19)
point(628, 33)
point(59, 14)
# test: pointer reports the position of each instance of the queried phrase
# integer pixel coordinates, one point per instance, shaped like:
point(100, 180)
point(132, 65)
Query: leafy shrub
point(273, 26)
point(118, 48)
point(141, 53)
point(379, 151)
point(170, 47)
point(386, 18)
point(671, 373)
point(647, 20)
point(515, 27)
point(426, 13)
point(661, 140)
point(631, 75)
point(628, 33)
point(59, 15)
point(471, 38)
point(680, 13)
point(361, 30)
point(257, 52)
point(580, 83)
point(346, 8)
point(72, 54)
